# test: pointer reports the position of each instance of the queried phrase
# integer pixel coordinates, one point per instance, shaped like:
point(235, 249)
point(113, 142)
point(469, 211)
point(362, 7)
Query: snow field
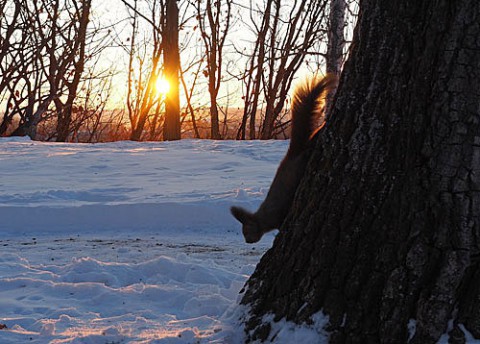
point(131, 242)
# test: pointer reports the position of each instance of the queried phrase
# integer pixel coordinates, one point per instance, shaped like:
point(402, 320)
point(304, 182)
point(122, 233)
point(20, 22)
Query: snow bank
point(127, 242)
point(116, 186)
point(287, 332)
point(89, 301)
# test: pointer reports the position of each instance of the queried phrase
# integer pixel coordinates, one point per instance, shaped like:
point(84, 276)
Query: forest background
point(97, 71)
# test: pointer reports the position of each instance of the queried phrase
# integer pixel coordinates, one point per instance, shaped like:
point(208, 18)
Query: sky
point(239, 37)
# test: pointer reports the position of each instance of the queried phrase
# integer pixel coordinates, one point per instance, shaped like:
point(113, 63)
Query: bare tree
point(285, 36)
point(47, 46)
point(171, 130)
point(188, 91)
point(336, 36)
point(164, 116)
point(89, 110)
point(214, 22)
point(42, 63)
point(144, 70)
point(252, 77)
point(48, 52)
point(10, 24)
point(21, 74)
point(70, 63)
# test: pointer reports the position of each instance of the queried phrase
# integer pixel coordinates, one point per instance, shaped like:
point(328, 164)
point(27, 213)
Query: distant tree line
point(230, 66)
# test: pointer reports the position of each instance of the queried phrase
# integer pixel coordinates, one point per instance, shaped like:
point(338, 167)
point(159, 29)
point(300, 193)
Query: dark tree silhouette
point(214, 23)
point(75, 57)
point(19, 82)
point(336, 36)
point(285, 34)
point(143, 101)
point(171, 129)
point(385, 227)
point(42, 59)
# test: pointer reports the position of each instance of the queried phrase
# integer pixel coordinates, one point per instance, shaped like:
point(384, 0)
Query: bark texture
point(385, 225)
point(336, 36)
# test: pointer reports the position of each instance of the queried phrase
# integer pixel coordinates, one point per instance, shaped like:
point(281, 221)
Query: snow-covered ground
point(130, 242)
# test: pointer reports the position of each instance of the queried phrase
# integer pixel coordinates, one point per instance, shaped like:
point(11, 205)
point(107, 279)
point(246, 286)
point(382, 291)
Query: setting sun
point(162, 85)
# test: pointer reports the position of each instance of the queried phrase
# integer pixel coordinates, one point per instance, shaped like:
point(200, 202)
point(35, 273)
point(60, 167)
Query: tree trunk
point(171, 130)
point(336, 36)
point(215, 128)
point(77, 55)
point(29, 127)
point(385, 226)
point(336, 43)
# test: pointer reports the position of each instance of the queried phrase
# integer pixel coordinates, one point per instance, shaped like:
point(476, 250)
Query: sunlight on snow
point(128, 242)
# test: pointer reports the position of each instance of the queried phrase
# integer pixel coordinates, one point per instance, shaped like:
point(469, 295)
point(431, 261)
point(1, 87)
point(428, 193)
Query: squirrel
point(306, 108)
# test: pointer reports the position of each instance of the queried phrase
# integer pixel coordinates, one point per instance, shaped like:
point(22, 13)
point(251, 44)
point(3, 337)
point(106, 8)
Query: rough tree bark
point(385, 226)
point(336, 42)
point(336, 36)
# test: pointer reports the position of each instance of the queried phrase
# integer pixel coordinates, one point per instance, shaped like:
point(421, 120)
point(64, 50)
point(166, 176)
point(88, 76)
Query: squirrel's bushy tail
point(306, 108)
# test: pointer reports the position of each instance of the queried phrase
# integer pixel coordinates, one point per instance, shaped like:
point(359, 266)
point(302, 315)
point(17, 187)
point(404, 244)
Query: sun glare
point(162, 86)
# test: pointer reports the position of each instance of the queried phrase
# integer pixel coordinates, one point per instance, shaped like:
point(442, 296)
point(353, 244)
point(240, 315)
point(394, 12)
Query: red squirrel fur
point(306, 108)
